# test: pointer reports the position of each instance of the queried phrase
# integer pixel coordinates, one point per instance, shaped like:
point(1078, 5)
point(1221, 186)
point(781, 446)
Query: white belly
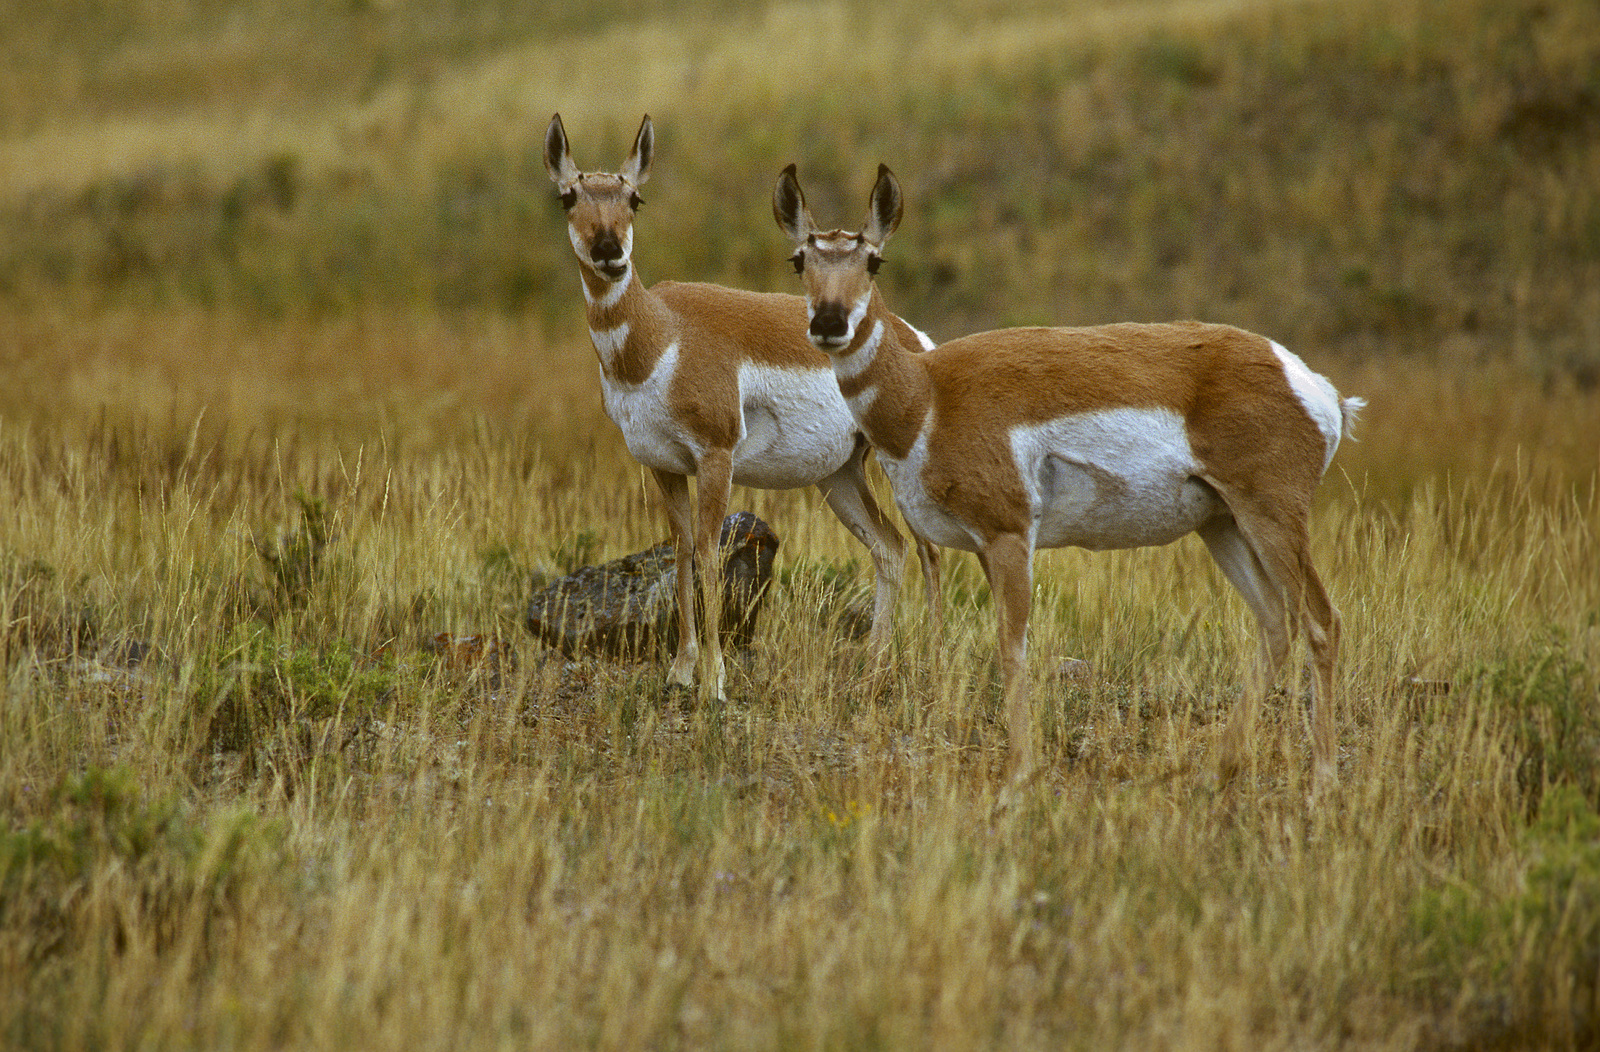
point(1119, 478)
point(922, 513)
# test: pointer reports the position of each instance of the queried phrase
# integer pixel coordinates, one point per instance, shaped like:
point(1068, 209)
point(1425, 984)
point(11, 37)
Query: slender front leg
point(675, 490)
point(711, 494)
point(1007, 561)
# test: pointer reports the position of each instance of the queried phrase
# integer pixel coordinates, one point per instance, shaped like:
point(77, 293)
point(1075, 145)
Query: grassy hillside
point(294, 378)
point(1361, 179)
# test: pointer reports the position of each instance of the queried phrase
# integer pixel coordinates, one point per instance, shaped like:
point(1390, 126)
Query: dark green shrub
point(155, 862)
point(1551, 698)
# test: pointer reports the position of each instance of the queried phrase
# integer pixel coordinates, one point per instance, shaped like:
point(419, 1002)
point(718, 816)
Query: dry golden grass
point(403, 856)
point(302, 294)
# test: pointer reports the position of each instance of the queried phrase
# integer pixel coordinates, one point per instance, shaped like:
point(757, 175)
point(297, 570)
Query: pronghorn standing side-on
point(717, 383)
point(1117, 436)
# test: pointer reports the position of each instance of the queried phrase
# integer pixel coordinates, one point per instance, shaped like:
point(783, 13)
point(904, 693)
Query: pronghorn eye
point(569, 197)
point(874, 261)
point(799, 261)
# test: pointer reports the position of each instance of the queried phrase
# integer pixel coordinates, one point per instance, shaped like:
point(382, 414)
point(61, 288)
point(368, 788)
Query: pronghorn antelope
point(1118, 436)
point(717, 383)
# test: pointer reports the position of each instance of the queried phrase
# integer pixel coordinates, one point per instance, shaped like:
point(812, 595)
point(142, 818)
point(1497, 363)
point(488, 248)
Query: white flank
point(1118, 478)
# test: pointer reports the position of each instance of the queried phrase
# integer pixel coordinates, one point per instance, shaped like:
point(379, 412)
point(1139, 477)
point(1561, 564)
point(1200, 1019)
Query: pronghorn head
point(838, 266)
point(600, 206)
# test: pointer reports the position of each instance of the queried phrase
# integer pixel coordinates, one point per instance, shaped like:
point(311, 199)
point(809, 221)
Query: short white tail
point(1117, 436)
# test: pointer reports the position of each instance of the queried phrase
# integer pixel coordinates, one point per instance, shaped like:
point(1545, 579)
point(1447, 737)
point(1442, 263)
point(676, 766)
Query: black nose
point(829, 322)
point(606, 249)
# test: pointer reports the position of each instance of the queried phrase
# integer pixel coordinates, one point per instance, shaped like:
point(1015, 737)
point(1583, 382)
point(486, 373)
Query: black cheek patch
point(569, 198)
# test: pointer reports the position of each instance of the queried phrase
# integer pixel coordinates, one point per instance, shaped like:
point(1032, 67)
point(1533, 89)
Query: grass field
point(294, 378)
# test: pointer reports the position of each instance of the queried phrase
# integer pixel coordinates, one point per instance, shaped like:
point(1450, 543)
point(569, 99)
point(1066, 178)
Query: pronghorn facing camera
point(716, 383)
point(1117, 436)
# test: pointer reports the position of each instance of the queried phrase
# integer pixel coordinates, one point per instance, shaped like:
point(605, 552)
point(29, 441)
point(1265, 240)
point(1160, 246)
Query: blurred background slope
point(283, 210)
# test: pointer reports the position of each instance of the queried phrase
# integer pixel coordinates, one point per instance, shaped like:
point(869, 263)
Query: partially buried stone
point(628, 607)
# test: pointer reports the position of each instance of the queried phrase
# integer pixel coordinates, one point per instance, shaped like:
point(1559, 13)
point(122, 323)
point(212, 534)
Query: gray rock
point(628, 607)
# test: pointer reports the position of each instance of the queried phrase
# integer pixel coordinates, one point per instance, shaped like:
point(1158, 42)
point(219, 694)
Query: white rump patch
point(922, 337)
point(1317, 397)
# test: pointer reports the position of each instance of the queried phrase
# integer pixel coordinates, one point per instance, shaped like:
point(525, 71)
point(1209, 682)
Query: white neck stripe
point(861, 402)
point(849, 366)
point(608, 342)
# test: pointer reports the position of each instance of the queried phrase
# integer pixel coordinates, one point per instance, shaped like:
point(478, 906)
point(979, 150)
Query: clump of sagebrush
point(1527, 951)
point(100, 848)
point(1550, 698)
point(294, 558)
point(272, 699)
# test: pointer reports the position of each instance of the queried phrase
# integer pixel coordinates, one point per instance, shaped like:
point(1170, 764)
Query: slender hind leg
point(1007, 561)
point(1284, 550)
point(1243, 569)
point(1324, 630)
point(928, 555)
point(1270, 564)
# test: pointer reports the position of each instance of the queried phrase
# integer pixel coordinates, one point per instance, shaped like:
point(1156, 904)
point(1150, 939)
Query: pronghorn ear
point(636, 169)
point(558, 156)
point(789, 207)
point(883, 215)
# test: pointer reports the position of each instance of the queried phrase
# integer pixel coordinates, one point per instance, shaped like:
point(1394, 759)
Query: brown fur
point(715, 330)
point(1256, 445)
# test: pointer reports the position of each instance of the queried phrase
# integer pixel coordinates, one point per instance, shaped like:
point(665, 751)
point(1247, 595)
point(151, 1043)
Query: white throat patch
point(612, 296)
point(608, 343)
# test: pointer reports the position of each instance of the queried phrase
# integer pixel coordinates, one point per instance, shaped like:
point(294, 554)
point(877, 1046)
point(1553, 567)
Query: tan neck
point(885, 382)
point(627, 356)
